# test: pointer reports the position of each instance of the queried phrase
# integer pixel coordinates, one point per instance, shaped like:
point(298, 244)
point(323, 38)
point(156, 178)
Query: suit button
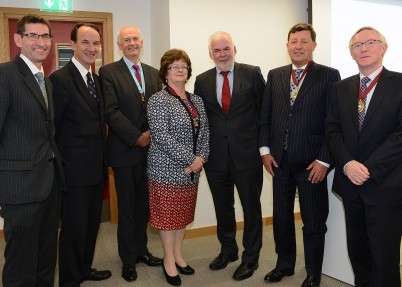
point(290, 115)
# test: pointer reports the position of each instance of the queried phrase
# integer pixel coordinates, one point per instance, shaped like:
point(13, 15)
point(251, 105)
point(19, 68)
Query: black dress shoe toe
point(188, 270)
point(244, 271)
point(97, 275)
point(222, 260)
point(311, 281)
point(277, 274)
point(172, 280)
point(129, 273)
point(149, 259)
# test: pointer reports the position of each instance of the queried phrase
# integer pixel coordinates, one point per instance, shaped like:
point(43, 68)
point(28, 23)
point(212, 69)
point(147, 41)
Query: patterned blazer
point(171, 149)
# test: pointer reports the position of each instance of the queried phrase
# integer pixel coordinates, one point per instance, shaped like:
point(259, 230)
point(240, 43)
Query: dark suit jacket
point(27, 142)
point(234, 134)
point(80, 127)
point(124, 111)
point(378, 145)
point(304, 122)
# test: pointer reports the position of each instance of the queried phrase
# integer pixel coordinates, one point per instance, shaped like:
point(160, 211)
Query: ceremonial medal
point(196, 122)
point(143, 98)
point(294, 94)
point(360, 106)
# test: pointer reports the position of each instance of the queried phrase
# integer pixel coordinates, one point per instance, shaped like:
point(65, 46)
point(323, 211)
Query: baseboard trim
point(211, 230)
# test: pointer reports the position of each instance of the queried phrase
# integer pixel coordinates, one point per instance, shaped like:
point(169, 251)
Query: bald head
point(129, 40)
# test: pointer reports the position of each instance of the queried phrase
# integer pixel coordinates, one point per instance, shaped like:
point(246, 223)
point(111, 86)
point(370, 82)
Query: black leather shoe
point(221, 261)
point(129, 273)
point(310, 281)
point(188, 270)
point(96, 275)
point(149, 259)
point(244, 271)
point(172, 280)
point(276, 275)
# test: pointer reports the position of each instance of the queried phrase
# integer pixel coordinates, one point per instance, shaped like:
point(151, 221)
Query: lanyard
point(362, 96)
point(140, 89)
point(295, 82)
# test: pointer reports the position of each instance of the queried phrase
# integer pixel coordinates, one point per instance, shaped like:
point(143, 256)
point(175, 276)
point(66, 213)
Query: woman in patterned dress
point(179, 148)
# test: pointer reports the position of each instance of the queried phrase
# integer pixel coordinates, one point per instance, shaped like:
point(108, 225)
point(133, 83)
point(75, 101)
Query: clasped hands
point(196, 166)
point(317, 171)
point(356, 172)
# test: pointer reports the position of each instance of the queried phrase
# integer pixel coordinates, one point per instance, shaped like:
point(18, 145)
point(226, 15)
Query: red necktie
point(137, 74)
point(225, 92)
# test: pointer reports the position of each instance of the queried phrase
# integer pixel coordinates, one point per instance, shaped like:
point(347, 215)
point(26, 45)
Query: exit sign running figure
point(56, 5)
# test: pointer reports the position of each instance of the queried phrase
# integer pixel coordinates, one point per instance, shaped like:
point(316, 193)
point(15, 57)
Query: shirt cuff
point(264, 150)
point(323, 163)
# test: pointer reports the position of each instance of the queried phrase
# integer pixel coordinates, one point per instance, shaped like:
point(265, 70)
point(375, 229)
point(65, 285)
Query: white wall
point(259, 29)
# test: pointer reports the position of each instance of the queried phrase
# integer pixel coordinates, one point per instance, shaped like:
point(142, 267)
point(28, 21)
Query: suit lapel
point(211, 90)
point(310, 78)
point(32, 83)
point(380, 92)
point(129, 78)
point(237, 79)
point(284, 82)
point(82, 87)
point(353, 88)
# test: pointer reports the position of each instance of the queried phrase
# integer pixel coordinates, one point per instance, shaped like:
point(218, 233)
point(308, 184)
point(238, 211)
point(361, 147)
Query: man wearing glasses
point(29, 160)
point(364, 135)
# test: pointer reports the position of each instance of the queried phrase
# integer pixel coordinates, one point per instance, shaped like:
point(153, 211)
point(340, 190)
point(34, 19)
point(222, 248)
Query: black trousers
point(31, 231)
point(249, 186)
point(313, 200)
point(374, 241)
point(80, 217)
point(133, 204)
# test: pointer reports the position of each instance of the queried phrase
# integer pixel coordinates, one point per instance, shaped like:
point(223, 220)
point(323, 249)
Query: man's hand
point(144, 140)
point(317, 172)
point(356, 172)
point(196, 166)
point(268, 160)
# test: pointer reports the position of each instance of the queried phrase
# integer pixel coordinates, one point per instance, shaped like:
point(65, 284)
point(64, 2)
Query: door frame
point(106, 19)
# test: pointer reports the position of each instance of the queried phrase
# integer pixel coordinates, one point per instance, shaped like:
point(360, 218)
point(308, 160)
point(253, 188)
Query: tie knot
point(40, 77)
point(365, 80)
point(224, 74)
point(298, 73)
point(89, 76)
point(136, 67)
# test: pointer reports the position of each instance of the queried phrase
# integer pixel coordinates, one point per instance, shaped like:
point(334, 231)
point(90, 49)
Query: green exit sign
point(56, 5)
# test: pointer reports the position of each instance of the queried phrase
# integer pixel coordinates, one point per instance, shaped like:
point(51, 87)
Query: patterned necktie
point(294, 89)
point(41, 81)
point(91, 87)
point(137, 74)
point(362, 105)
point(225, 92)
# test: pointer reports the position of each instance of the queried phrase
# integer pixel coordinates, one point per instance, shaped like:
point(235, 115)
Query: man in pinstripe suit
point(294, 152)
point(29, 160)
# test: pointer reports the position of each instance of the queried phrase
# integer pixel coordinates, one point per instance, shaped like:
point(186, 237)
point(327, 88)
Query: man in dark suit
point(293, 150)
point(29, 160)
point(81, 138)
point(127, 85)
point(232, 94)
point(364, 134)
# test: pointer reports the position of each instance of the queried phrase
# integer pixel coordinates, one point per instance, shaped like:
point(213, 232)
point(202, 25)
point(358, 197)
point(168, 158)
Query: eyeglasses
point(369, 44)
point(177, 68)
point(35, 37)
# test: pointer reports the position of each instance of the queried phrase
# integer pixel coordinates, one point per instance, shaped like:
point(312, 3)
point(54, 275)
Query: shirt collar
point(218, 71)
point(130, 64)
point(83, 71)
point(373, 74)
point(34, 69)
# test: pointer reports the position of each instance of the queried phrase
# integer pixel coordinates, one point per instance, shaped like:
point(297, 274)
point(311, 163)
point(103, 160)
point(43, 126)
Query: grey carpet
point(198, 252)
